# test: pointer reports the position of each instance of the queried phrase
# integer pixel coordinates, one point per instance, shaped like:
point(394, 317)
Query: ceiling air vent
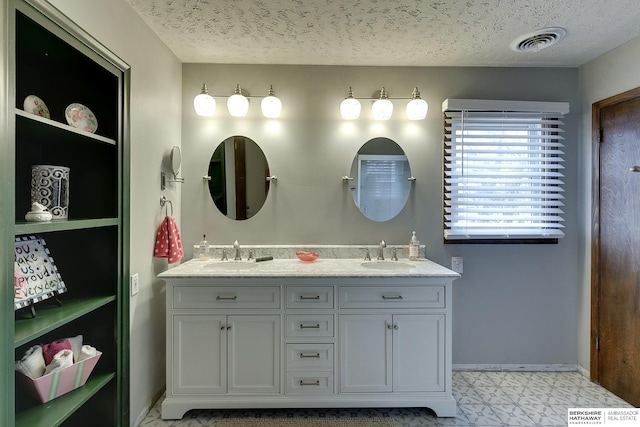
point(538, 40)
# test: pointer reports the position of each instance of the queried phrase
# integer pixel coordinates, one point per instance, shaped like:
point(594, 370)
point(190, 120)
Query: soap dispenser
point(204, 249)
point(414, 248)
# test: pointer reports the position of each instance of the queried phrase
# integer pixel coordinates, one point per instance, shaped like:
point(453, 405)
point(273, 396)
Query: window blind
point(503, 169)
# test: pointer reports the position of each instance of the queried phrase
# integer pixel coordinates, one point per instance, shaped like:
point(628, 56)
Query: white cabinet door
point(199, 354)
point(418, 352)
point(365, 352)
point(254, 354)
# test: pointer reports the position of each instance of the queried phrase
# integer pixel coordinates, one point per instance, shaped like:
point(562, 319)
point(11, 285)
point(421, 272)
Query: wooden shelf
point(62, 126)
point(49, 317)
point(56, 411)
point(23, 228)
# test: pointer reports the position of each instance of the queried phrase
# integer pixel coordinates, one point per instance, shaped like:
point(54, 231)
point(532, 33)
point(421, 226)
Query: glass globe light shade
point(350, 107)
point(203, 103)
point(417, 108)
point(271, 105)
point(382, 109)
point(238, 104)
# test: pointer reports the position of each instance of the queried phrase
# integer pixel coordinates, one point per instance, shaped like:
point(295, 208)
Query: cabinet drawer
point(310, 297)
point(309, 357)
point(226, 297)
point(392, 296)
point(310, 325)
point(309, 383)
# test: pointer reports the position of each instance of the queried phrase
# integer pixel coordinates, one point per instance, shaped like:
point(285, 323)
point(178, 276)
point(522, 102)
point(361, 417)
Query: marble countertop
point(322, 267)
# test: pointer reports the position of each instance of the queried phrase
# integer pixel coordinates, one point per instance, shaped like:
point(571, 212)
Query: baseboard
point(584, 372)
point(517, 367)
point(145, 411)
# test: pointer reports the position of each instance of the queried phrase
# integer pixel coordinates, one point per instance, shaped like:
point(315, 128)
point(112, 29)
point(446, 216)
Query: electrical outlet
point(134, 283)
point(456, 264)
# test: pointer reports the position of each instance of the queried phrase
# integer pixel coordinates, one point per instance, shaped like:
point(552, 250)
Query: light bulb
point(238, 104)
point(203, 103)
point(350, 107)
point(382, 109)
point(271, 105)
point(417, 108)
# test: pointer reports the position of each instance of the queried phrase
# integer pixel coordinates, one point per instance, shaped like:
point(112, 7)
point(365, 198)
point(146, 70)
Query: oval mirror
point(381, 179)
point(238, 169)
point(176, 161)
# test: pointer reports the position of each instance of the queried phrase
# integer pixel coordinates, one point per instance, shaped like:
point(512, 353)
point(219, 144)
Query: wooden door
point(615, 361)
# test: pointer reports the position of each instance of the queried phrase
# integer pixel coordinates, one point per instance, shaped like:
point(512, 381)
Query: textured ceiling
point(387, 33)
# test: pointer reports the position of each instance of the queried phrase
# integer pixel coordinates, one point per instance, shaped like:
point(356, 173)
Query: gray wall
point(515, 304)
point(610, 74)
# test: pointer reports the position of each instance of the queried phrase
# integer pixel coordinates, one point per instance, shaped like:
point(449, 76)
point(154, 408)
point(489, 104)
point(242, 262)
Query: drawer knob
point(388, 297)
point(307, 356)
point(303, 326)
point(233, 298)
point(309, 297)
point(304, 383)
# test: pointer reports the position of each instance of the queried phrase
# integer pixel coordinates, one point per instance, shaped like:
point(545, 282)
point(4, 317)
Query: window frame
point(484, 159)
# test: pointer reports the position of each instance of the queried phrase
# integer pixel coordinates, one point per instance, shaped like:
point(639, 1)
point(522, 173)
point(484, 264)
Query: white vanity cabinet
point(287, 335)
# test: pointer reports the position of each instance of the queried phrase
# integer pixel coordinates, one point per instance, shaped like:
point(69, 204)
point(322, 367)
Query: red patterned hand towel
point(168, 243)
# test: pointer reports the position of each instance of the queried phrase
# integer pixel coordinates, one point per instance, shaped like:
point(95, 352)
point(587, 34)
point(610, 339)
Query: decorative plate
point(81, 117)
point(34, 105)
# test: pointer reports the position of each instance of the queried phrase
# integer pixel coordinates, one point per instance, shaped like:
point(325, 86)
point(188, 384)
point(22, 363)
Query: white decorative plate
point(34, 105)
point(81, 117)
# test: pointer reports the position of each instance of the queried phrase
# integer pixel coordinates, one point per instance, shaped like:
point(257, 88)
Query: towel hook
point(163, 203)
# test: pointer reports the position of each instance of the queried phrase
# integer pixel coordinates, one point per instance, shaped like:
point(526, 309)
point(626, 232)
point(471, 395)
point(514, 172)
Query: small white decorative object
point(81, 117)
point(34, 105)
point(38, 212)
point(50, 188)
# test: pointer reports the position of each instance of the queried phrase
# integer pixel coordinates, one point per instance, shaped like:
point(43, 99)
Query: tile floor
point(487, 399)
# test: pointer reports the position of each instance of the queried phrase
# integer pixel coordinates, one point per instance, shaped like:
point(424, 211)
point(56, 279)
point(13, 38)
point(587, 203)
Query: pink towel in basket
point(168, 242)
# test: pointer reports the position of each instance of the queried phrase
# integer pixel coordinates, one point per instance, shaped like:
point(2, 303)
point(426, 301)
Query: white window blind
point(503, 173)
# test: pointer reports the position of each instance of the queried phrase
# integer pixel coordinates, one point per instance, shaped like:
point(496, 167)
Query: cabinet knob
point(228, 328)
point(395, 327)
point(389, 327)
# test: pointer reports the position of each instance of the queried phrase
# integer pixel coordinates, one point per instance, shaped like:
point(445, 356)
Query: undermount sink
point(231, 265)
point(387, 265)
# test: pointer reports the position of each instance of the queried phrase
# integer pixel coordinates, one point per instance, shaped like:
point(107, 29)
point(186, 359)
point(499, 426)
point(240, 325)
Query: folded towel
point(32, 363)
point(62, 359)
point(87, 352)
point(168, 242)
point(76, 346)
point(51, 349)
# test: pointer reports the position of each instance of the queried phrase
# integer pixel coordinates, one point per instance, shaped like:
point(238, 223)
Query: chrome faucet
point(236, 248)
point(381, 247)
point(224, 255)
point(367, 255)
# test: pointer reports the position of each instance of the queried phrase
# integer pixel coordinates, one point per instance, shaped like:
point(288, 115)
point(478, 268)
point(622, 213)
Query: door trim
point(595, 220)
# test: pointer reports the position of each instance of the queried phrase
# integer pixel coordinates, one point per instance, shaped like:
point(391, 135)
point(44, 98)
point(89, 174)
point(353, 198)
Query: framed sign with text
point(36, 277)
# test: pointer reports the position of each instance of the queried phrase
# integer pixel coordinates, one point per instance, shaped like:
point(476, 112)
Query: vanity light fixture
point(204, 103)
point(350, 107)
point(382, 108)
point(237, 103)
